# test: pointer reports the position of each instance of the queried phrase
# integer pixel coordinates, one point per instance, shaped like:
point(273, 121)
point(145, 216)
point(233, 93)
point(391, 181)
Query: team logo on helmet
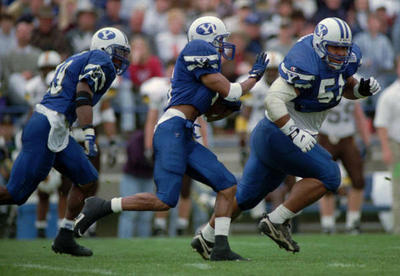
point(321, 30)
point(106, 35)
point(206, 29)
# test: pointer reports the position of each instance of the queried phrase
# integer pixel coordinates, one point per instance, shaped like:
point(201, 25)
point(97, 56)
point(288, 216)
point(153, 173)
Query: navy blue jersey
point(196, 59)
point(95, 67)
point(320, 86)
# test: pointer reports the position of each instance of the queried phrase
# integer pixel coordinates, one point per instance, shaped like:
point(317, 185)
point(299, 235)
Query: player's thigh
point(257, 181)
point(34, 162)
point(170, 152)
point(277, 151)
point(74, 164)
point(204, 166)
point(352, 162)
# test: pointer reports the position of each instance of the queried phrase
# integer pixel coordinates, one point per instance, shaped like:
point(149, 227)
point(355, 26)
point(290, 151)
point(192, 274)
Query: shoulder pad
point(200, 54)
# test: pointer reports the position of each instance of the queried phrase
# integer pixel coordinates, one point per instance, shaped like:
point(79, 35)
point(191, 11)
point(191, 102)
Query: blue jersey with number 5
point(320, 87)
point(94, 67)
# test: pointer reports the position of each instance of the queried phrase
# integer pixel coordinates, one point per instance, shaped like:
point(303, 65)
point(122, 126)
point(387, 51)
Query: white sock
point(41, 224)
point(328, 222)
point(280, 214)
point(352, 217)
point(160, 223)
point(208, 233)
point(68, 224)
point(116, 204)
point(222, 225)
point(183, 223)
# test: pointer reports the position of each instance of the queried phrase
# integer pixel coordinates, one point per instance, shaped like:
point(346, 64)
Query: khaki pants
point(395, 168)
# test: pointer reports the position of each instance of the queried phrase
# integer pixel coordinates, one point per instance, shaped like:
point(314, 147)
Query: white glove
point(365, 88)
point(301, 138)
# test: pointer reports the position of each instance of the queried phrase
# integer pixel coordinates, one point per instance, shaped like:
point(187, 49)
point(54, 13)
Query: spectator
point(137, 177)
point(242, 8)
point(271, 28)
point(378, 57)
point(46, 37)
point(252, 27)
point(80, 37)
point(330, 8)
point(396, 35)
point(128, 6)
point(136, 21)
point(299, 23)
point(19, 65)
point(387, 124)
point(144, 65)
point(155, 18)
point(7, 34)
point(284, 41)
point(67, 15)
point(111, 17)
point(170, 43)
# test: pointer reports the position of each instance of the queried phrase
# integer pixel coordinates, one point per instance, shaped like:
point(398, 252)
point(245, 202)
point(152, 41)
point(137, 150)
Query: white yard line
point(46, 267)
point(343, 265)
point(199, 266)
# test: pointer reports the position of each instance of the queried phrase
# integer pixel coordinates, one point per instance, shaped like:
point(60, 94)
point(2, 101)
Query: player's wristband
point(357, 93)
point(288, 127)
point(235, 92)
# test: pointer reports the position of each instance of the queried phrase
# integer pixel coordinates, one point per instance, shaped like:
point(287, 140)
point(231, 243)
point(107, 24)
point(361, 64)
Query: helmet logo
point(206, 29)
point(321, 30)
point(106, 35)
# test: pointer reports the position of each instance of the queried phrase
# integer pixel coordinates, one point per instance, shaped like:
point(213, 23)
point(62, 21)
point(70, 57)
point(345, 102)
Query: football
point(221, 109)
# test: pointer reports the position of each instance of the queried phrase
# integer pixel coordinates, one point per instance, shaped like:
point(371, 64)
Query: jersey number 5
point(55, 86)
point(327, 96)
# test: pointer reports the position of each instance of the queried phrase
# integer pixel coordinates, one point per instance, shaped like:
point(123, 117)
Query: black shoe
point(223, 252)
point(355, 229)
point(41, 233)
point(201, 246)
point(279, 233)
point(159, 232)
point(94, 209)
point(65, 243)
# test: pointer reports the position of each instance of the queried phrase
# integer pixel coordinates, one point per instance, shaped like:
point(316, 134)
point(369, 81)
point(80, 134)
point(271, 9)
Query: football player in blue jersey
point(78, 84)
point(195, 82)
point(314, 76)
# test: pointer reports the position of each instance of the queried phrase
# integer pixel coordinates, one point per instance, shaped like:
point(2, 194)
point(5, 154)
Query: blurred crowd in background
point(36, 35)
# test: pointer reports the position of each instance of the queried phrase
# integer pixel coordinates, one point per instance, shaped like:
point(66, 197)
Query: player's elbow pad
point(275, 107)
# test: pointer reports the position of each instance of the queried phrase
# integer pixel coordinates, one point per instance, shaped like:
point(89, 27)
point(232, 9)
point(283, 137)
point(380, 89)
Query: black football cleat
point(225, 255)
point(279, 233)
point(222, 251)
point(94, 209)
point(201, 246)
point(65, 244)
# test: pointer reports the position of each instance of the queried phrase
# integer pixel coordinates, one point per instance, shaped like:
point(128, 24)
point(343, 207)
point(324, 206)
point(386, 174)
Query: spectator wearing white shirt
point(170, 43)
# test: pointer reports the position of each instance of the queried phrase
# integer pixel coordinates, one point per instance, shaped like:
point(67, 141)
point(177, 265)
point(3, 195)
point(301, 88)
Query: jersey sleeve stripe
point(197, 58)
point(294, 74)
point(194, 66)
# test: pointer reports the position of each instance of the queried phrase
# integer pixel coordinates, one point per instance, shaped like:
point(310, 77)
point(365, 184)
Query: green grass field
point(365, 254)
